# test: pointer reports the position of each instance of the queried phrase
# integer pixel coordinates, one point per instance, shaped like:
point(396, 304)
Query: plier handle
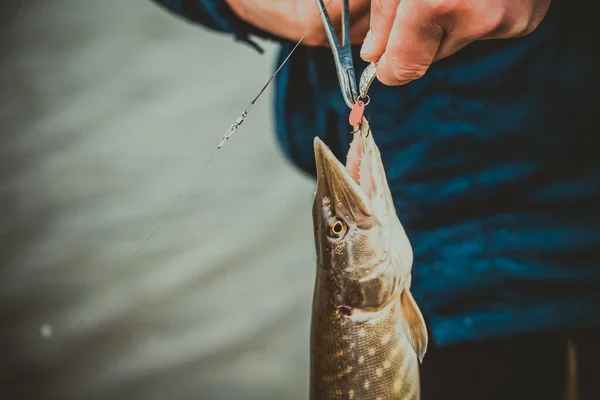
point(342, 53)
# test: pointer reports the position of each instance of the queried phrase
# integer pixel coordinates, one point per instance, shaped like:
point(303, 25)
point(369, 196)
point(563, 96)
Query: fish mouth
point(350, 186)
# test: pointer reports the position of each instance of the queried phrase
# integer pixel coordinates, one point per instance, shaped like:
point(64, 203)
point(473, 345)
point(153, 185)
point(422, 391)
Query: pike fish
point(368, 335)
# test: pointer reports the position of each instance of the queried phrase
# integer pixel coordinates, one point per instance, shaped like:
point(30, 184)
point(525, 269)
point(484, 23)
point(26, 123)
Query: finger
point(383, 13)
point(457, 31)
point(413, 43)
point(539, 13)
point(450, 46)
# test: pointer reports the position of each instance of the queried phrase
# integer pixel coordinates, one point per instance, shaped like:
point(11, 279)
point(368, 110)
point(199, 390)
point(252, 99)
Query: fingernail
point(367, 46)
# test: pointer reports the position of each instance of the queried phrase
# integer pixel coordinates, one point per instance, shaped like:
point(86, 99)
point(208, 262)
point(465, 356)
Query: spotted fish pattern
point(367, 333)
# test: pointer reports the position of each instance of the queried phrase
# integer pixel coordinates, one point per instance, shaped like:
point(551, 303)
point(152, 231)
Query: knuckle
point(518, 28)
point(525, 32)
point(537, 16)
point(406, 73)
point(442, 8)
point(532, 26)
point(490, 24)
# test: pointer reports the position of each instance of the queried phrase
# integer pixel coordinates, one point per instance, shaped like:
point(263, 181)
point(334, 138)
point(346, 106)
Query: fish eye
point(337, 228)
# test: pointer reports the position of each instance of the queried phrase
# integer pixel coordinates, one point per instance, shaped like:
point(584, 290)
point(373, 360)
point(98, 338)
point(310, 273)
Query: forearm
point(217, 16)
point(292, 20)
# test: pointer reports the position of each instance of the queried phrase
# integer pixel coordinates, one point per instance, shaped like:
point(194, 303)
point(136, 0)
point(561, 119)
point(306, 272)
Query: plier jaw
point(342, 53)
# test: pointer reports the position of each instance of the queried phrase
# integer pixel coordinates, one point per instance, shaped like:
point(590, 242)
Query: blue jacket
point(493, 161)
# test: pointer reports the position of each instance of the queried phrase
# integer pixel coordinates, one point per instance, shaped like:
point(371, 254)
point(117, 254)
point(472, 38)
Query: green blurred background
point(109, 110)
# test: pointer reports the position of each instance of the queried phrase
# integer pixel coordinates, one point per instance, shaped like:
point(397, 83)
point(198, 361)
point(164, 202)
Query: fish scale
point(374, 354)
point(367, 333)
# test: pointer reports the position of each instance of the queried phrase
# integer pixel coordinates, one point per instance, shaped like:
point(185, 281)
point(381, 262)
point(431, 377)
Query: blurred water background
point(108, 111)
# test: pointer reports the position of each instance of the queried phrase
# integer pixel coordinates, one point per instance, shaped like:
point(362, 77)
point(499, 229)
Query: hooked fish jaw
point(371, 266)
point(357, 194)
point(335, 183)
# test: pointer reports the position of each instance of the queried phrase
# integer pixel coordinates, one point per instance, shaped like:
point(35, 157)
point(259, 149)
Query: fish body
point(367, 333)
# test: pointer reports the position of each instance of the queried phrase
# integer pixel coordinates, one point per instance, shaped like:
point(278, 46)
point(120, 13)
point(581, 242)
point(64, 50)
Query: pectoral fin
point(416, 331)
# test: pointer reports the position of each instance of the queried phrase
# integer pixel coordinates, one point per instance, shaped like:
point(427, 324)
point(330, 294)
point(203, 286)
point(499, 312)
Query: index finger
point(413, 43)
point(383, 13)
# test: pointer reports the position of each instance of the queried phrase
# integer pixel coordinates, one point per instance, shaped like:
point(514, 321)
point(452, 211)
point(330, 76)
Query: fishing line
point(222, 141)
point(137, 253)
point(243, 116)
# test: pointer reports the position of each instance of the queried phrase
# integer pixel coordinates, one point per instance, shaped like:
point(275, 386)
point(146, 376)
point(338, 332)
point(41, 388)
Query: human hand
point(289, 19)
point(406, 36)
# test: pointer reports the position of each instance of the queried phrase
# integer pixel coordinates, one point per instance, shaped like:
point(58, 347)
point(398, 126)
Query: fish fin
point(416, 331)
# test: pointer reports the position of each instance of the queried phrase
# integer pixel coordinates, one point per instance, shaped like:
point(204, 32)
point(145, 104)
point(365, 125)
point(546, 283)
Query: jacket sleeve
point(217, 16)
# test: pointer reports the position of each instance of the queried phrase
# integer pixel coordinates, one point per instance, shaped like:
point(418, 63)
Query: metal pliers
point(342, 54)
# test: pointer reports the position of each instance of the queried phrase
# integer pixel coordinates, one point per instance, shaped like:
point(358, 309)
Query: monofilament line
point(148, 237)
point(244, 114)
point(224, 138)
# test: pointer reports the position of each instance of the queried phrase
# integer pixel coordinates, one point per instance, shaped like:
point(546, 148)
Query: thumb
point(383, 14)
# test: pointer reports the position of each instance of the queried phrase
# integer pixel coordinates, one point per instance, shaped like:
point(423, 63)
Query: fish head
point(358, 237)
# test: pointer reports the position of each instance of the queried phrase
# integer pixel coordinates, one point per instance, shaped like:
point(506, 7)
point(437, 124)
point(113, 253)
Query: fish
point(367, 334)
